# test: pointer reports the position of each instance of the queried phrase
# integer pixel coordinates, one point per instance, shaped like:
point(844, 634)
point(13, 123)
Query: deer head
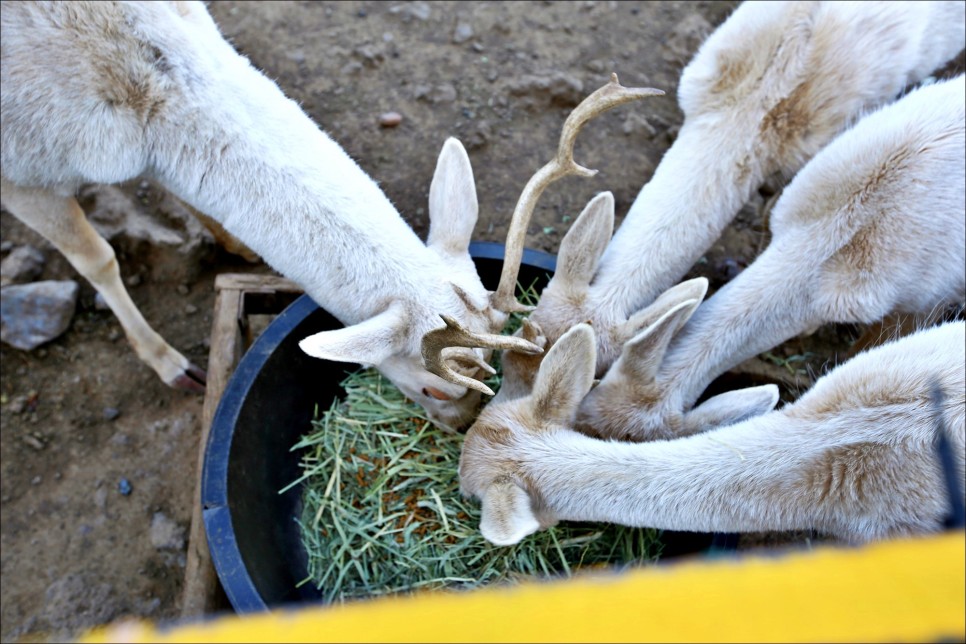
point(440, 366)
point(490, 461)
point(633, 401)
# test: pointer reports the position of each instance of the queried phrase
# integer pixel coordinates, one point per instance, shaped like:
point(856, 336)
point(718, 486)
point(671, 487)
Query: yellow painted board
point(898, 591)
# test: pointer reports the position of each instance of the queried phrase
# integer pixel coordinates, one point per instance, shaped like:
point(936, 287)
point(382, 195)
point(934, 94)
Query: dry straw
point(382, 512)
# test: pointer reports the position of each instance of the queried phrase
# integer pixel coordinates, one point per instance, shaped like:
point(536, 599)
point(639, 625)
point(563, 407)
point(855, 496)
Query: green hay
point(382, 511)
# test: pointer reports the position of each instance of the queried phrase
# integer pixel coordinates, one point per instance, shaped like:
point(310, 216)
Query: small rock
point(100, 303)
point(445, 93)
point(32, 314)
point(190, 309)
point(33, 442)
point(686, 37)
point(134, 280)
point(37, 480)
point(18, 405)
point(124, 487)
point(671, 133)
point(183, 289)
point(390, 119)
point(100, 498)
point(166, 534)
point(728, 269)
point(538, 91)
point(417, 10)
point(111, 413)
point(635, 123)
point(350, 68)
point(479, 135)
point(23, 264)
point(114, 335)
point(463, 32)
point(120, 439)
point(296, 56)
point(371, 57)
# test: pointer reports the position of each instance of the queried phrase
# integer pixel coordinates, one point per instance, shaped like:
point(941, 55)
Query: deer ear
point(732, 407)
point(585, 242)
point(369, 342)
point(643, 354)
point(565, 376)
point(507, 517)
point(452, 203)
point(693, 289)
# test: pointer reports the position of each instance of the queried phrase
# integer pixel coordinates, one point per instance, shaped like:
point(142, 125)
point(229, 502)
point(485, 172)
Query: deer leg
point(62, 221)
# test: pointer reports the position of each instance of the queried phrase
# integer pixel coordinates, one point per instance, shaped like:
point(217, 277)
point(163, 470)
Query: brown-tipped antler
point(455, 335)
point(610, 95)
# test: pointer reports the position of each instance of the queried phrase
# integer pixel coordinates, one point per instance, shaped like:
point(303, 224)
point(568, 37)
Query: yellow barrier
point(898, 591)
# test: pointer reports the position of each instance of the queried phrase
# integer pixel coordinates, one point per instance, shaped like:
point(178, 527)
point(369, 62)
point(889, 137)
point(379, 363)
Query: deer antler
point(436, 342)
point(436, 345)
point(610, 95)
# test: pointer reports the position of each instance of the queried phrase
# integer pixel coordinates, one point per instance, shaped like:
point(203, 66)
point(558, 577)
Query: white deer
point(101, 92)
point(855, 457)
point(874, 224)
point(774, 84)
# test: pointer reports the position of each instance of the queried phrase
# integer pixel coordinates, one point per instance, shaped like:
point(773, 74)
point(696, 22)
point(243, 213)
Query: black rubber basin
point(267, 405)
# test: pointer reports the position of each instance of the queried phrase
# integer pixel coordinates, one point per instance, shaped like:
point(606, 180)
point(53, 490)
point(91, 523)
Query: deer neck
point(699, 186)
point(718, 481)
point(260, 166)
point(768, 303)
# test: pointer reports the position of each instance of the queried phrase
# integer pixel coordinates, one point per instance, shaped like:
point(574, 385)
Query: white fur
point(855, 457)
point(104, 92)
point(774, 84)
point(874, 224)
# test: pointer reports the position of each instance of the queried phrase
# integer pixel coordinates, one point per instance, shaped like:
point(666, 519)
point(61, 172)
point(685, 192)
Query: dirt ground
point(82, 416)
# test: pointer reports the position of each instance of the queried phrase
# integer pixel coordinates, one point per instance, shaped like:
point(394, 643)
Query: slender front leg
point(62, 221)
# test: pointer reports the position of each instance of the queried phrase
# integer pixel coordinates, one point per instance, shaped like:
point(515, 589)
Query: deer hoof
point(193, 380)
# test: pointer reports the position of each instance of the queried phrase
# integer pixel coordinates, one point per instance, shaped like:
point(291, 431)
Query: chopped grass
point(382, 512)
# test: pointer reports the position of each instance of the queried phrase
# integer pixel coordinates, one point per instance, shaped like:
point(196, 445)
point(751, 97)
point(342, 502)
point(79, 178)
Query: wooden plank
point(201, 581)
point(255, 283)
point(237, 297)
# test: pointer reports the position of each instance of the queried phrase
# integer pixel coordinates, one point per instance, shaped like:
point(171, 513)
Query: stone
point(442, 93)
point(166, 534)
point(168, 223)
point(462, 33)
point(32, 314)
point(390, 119)
point(100, 304)
point(417, 10)
point(537, 91)
point(23, 264)
point(686, 37)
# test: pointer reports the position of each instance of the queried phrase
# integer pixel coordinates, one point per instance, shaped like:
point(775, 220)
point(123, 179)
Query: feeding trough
point(268, 404)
